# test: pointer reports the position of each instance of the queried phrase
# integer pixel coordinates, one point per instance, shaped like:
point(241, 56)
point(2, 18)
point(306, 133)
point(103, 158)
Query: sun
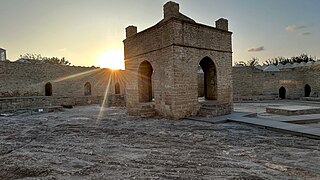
point(112, 59)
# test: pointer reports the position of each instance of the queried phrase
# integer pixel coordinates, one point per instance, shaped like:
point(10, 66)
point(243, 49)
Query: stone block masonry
point(251, 83)
point(33, 85)
point(173, 49)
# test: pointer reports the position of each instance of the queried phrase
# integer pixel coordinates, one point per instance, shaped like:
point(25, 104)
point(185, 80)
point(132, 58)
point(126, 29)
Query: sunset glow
point(112, 59)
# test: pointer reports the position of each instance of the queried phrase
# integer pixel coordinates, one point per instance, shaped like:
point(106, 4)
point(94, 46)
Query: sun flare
point(112, 59)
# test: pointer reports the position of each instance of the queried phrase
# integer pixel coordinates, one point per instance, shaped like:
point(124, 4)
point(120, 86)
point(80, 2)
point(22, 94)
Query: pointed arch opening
point(48, 89)
point(145, 82)
point(307, 90)
point(282, 92)
point(209, 79)
point(117, 88)
point(87, 89)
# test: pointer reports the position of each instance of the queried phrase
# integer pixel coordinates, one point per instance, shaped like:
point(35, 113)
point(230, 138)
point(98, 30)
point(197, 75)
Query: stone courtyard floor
point(76, 144)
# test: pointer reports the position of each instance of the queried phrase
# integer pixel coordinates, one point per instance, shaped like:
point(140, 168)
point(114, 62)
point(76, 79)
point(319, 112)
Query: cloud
point(305, 34)
point(295, 27)
point(261, 48)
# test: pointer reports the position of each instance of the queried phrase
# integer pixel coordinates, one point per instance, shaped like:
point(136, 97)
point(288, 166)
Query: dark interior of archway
point(48, 89)
point(145, 82)
point(209, 78)
point(307, 90)
point(282, 93)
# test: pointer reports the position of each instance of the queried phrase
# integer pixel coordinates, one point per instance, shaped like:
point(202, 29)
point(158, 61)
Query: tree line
point(36, 58)
point(279, 60)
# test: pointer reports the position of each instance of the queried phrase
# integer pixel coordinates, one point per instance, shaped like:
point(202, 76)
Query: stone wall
point(15, 103)
point(254, 84)
point(23, 85)
point(311, 76)
point(21, 79)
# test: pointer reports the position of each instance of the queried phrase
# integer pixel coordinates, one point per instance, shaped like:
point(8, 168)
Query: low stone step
point(148, 114)
point(206, 112)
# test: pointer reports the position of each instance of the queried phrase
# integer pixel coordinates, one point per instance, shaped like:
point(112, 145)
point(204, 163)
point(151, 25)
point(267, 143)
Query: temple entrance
point(209, 79)
point(145, 82)
point(48, 89)
point(282, 93)
point(307, 90)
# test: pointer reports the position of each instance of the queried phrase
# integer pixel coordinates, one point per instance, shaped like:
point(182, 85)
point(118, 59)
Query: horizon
point(88, 33)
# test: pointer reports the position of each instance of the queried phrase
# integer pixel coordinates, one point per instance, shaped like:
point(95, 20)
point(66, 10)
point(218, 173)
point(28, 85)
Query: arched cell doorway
point(145, 82)
point(307, 90)
point(48, 89)
point(209, 78)
point(117, 88)
point(87, 89)
point(282, 93)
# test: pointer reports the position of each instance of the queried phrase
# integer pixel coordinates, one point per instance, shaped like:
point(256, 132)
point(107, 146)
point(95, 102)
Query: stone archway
point(307, 90)
point(48, 89)
point(282, 92)
point(209, 78)
point(145, 82)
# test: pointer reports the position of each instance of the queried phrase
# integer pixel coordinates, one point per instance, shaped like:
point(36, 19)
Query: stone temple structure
point(3, 54)
point(162, 64)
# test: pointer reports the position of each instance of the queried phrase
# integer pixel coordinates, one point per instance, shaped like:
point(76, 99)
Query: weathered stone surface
point(76, 144)
point(174, 48)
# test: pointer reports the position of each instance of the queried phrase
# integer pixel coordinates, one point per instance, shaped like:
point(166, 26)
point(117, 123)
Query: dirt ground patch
point(76, 144)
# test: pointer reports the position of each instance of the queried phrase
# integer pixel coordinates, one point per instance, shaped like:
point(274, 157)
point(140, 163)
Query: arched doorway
point(117, 88)
point(209, 78)
point(87, 89)
point(307, 90)
point(282, 93)
point(48, 89)
point(145, 82)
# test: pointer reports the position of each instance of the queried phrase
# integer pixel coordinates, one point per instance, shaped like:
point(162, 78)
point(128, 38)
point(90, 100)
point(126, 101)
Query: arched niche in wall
point(87, 89)
point(48, 89)
point(307, 90)
point(282, 92)
point(117, 88)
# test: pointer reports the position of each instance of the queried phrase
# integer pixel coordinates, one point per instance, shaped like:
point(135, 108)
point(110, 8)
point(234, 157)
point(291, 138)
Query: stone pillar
point(131, 30)
point(171, 9)
point(3, 55)
point(222, 24)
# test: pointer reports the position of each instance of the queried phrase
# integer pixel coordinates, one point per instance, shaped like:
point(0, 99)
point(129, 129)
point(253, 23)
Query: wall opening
point(117, 88)
point(282, 93)
point(209, 79)
point(48, 89)
point(87, 89)
point(307, 90)
point(145, 82)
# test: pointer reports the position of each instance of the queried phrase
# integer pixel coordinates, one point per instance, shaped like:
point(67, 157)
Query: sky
point(87, 32)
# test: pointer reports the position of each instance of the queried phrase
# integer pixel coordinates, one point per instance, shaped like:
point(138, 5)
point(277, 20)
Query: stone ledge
point(293, 110)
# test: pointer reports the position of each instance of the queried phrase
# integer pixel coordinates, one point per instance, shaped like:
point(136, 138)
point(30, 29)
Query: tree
point(303, 58)
point(241, 63)
point(296, 59)
point(37, 58)
point(55, 60)
point(253, 62)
